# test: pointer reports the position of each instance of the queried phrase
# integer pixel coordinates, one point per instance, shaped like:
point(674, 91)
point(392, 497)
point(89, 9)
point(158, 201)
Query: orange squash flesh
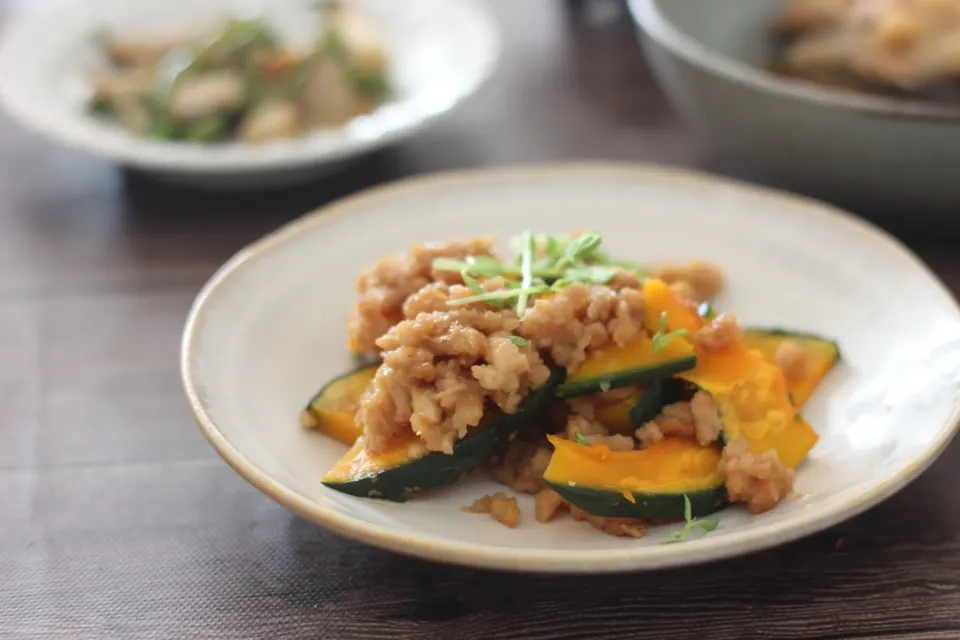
point(755, 401)
point(726, 366)
point(616, 415)
point(636, 362)
point(823, 355)
point(335, 407)
point(645, 483)
point(759, 410)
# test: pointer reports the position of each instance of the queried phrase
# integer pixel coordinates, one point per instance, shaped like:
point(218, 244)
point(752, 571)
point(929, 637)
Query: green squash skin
point(649, 506)
point(657, 394)
point(323, 390)
point(625, 378)
point(438, 469)
point(796, 335)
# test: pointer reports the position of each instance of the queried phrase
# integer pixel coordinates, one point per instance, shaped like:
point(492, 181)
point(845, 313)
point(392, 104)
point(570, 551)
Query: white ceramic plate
point(442, 51)
point(269, 329)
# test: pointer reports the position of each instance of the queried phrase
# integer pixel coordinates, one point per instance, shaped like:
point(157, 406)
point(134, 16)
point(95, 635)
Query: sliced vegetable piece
point(647, 483)
point(334, 408)
point(401, 472)
point(752, 394)
point(617, 366)
point(726, 366)
point(821, 354)
point(616, 415)
point(759, 409)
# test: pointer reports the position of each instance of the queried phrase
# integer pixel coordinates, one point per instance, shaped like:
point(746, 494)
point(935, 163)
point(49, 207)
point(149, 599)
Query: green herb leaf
point(517, 340)
point(505, 294)
point(470, 281)
point(661, 338)
point(798, 416)
point(592, 274)
point(581, 439)
point(485, 266)
point(527, 250)
point(706, 526)
point(706, 310)
point(579, 249)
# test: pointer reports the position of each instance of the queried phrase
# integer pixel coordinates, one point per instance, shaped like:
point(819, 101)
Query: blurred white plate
point(443, 51)
point(270, 328)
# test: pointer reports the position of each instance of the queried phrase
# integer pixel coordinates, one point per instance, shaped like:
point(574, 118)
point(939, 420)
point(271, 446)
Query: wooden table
point(118, 520)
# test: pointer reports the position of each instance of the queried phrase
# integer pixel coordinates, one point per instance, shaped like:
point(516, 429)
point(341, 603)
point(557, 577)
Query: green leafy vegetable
point(579, 249)
point(581, 439)
point(661, 338)
point(517, 340)
point(706, 525)
point(593, 274)
point(526, 271)
point(470, 281)
point(506, 294)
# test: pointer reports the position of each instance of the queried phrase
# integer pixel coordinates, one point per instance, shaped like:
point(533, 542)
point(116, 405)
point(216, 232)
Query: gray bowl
point(889, 154)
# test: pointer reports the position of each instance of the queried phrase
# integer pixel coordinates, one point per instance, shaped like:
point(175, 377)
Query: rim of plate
point(647, 16)
point(545, 560)
point(323, 146)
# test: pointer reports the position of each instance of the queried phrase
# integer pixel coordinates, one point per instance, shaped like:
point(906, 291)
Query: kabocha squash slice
point(398, 474)
point(645, 483)
point(636, 362)
point(760, 411)
point(333, 409)
point(822, 354)
point(646, 401)
point(754, 400)
point(616, 416)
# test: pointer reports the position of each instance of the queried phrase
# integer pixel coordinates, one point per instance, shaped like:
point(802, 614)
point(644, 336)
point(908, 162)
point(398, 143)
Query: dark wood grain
point(118, 520)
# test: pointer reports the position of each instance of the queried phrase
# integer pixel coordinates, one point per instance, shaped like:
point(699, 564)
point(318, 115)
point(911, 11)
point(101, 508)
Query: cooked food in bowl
point(612, 391)
point(240, 82)
point(897, 46)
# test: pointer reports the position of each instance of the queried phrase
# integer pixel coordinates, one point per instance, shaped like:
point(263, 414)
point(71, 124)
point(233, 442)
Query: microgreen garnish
point(581, 439)
point(471, 282)
point(706, 310)
point(692, 523)
point(543, 264)
point(517, 340)
point(505, 294)
point(579, 250)
point(661, 338)
point(594, 274)
point(526, 270)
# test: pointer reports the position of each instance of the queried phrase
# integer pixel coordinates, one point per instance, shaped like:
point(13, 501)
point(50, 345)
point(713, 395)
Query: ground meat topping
point(700, 280)
point(522, 465)
point(699, 418)
point(792, 359)
point(596, 433)
point(625, 527)
point(673, 420)
point(384, 288)
point(580, 318)
point(502, 507)
point(438, 371)
point(546, 505)
point(720, 332)
point(759, 480)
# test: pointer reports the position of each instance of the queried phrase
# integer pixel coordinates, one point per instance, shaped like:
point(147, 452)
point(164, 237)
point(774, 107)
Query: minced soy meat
point(384, 287)
point(443, 362)
point(760, 480)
